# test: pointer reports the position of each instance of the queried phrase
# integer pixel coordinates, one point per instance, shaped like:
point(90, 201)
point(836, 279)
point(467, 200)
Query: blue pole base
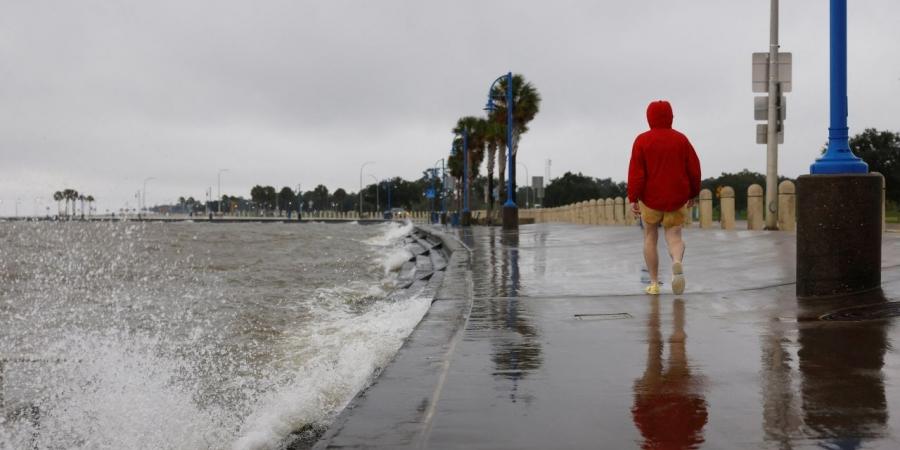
point(510, 216)
point(838, 166)
point(466, 219)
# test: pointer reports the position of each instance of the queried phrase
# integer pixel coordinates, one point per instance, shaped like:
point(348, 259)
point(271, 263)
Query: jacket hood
point(659, 114)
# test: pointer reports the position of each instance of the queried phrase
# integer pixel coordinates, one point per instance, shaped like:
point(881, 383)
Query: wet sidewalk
point(542, 338)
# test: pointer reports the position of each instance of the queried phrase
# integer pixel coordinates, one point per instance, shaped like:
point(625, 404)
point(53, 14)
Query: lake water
point(189, 335)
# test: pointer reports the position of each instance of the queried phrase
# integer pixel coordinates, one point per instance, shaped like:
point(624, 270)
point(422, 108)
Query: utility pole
point(219, 176)
point(773, 121)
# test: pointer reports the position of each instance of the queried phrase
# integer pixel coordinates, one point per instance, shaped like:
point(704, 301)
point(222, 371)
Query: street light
point(443, 183)
point(838, 157)
point(510, 210)
point(144, 200)
point(527, 181)
point(219, 176)
point(360, 186)
point(466, 219)
point(388, 182)
point(377, 189)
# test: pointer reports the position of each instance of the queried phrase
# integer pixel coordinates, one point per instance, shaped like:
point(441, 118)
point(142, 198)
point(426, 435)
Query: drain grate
point(868, 312)
point(613, 316)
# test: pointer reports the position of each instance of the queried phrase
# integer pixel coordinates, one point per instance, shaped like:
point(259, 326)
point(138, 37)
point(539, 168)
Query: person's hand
point(690, 203)
point(635, 209)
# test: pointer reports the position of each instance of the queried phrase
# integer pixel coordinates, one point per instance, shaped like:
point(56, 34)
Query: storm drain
point(868, 312)
point(612, 316)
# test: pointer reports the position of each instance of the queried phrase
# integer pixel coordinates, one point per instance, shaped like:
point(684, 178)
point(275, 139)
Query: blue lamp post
point(466, 216)
point(838, 158)
point(510, 210)
point(839, 205)
point(443, 188)
point(388, 182)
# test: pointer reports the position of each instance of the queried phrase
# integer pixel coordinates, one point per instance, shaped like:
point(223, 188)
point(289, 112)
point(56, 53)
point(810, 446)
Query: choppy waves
point(161, 336)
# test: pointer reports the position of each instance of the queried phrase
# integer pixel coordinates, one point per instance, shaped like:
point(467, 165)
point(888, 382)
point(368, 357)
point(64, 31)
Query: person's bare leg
point(676, 250)
point(651, 236)
point(675, 243)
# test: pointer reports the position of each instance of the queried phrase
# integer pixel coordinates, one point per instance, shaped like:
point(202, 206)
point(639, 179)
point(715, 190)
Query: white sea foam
point(115, 391)
point(394, 232)
point(394, 259)
point(351, 349)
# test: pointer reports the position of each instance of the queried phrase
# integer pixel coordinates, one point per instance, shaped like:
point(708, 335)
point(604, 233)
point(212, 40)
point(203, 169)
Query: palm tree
point(493, 137)
point(455, 166)
point(90, 200)
point(58, 197)
point(81, 198)
point(474, 128)
point(526, 104)
point(70, 194)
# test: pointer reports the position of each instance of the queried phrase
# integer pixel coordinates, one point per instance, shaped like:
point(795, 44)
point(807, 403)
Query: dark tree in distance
point(881, 151)
point(572, 188)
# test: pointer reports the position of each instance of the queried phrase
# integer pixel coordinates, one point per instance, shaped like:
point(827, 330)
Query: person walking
point(663, 180)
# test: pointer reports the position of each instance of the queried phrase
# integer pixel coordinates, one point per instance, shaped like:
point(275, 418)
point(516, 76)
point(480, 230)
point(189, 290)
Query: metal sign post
point(772, 75)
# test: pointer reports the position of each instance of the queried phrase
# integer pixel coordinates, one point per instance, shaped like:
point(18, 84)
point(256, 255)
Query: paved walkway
point(541, 338)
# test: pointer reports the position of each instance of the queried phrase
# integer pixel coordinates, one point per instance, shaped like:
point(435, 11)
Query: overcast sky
point(100, 95)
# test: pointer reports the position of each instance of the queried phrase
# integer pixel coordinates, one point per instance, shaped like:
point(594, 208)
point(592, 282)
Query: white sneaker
point(678, 280)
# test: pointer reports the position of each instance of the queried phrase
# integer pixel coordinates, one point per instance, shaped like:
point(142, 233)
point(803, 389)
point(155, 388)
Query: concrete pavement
point(542, 338)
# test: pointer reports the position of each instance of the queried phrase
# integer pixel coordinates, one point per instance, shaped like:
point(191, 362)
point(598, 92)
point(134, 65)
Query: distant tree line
point(879, 149)
point(72, 196)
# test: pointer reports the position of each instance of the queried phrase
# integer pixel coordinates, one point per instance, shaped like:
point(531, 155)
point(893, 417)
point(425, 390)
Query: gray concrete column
point(787, 207)
point(609, 208)
point(755, 220)
point(705, 208)
point(838, 234)
point(620, 211)
point(726, 207)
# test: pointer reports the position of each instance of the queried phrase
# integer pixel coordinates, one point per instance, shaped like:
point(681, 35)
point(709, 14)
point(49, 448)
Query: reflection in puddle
point(669, 408)
point(835, 392)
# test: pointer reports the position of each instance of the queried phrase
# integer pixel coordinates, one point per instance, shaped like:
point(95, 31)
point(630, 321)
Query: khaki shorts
point(669, 219)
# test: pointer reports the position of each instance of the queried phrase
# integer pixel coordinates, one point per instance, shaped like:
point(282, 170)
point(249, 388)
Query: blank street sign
point(761, 108)
point(762, 131)
point(761, 71)
point(537, 183)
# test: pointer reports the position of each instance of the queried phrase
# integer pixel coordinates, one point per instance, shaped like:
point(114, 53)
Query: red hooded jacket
point(664, 172)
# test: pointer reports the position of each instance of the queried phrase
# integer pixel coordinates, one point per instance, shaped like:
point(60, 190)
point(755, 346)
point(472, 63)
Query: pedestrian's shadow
point(669, 407)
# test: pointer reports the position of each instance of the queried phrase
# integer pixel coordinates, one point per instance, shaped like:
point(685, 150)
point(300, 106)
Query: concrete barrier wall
point(617, 211)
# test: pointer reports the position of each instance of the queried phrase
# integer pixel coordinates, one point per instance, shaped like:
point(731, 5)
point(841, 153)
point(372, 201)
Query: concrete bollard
point(601, 211)
point(726, 206)
point(609, 210)
point(705, 208)
point(755, 219)
point(620, 211)
point(787, 210)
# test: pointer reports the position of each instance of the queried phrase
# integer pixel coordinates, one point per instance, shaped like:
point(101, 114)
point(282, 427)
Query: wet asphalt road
point(542, 338)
